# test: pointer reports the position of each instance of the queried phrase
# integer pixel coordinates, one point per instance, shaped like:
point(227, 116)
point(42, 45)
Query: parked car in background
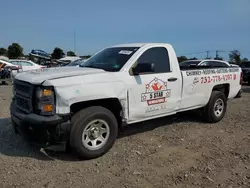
point(204, 63)
point(5, 68)
point(76, 63)
point(245, 66)
point(66, 60)
point(8, 64)
point(4, 58)
point(234, 65)
point(24, 65)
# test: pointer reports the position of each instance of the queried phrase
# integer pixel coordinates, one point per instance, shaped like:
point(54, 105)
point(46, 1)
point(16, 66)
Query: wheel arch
point(224, 88)
point(112, 104)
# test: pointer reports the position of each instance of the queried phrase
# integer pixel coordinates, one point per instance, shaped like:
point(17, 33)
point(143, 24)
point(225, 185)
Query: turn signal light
point(47, 108)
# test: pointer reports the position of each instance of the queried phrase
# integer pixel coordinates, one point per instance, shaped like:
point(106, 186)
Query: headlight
point(45, 100)
point(42, 92)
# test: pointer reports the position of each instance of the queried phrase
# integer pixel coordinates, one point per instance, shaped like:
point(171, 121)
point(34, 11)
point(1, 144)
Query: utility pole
point(207, 54)
point(217, 54)
point(74, 42)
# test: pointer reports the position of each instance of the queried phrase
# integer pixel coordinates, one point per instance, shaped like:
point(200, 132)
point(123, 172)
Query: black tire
point(80, 121)
point(239, 94)
point(248, 82)
point(209, 111)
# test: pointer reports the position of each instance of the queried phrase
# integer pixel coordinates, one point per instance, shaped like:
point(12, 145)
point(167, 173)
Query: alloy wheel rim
point(218, 107)
point(96, 134)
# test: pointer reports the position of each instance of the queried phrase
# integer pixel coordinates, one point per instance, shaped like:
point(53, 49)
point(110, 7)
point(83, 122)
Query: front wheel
point(93, 132)
point(216, 108)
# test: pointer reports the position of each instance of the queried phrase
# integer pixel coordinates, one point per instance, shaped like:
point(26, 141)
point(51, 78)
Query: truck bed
point(198, 82)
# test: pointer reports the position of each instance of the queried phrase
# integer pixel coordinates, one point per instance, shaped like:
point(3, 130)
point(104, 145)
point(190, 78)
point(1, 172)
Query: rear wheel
point(94, 131)
point(216, 108)
point(248, 82)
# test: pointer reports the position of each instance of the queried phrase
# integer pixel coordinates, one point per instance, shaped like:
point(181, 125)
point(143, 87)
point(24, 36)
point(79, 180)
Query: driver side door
point(154, 93)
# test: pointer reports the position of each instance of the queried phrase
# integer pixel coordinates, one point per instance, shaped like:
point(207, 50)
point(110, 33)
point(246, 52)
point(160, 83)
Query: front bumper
point(42, 131)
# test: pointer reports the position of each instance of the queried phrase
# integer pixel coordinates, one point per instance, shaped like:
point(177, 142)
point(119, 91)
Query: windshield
point(76, 62)
point(245, 65)
point(187, 63)
point(110, 59)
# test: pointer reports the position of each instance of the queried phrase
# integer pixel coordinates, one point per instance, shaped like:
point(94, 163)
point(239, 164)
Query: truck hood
point(40, 75)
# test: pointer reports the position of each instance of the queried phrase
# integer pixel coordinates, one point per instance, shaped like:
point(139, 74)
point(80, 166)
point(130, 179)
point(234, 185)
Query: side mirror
point(143, 68)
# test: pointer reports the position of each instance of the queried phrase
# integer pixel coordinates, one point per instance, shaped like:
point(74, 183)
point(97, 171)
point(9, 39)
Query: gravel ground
point(176, 151)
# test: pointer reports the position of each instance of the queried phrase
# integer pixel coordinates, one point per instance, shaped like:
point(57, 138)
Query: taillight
point(241, 78)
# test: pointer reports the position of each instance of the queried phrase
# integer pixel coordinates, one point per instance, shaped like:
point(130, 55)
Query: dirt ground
point(176, 151)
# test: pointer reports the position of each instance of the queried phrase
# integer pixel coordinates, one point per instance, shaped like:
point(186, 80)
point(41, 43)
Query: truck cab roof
point(139, 44)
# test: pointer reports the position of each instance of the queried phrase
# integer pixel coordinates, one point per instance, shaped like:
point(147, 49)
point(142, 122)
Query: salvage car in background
point(204, 63)
point(76, 63)
point(67, 60)
point(245, 66)
point(8, 63)
point(6, 68)
point(23, 65)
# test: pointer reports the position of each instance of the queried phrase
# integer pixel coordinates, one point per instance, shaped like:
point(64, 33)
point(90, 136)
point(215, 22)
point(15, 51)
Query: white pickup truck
point(84, 107)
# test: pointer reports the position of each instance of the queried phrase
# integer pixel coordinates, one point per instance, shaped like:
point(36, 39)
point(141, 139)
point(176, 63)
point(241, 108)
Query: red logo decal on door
point(156, 92)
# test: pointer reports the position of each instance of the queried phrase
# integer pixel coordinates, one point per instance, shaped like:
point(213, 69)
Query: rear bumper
point(39, 130)
point(239, 94)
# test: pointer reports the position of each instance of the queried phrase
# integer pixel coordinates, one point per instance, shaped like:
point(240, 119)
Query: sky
point(190, 26)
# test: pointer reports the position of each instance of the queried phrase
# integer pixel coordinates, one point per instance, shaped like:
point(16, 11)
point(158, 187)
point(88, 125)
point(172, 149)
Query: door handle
point(172, 79)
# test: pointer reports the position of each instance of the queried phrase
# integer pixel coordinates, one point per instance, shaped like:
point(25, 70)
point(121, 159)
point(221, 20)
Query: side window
point(24, 63)
point(205, 63)
point(158, 56)
point(14, 62)
point(17, 63)
point(218, 64)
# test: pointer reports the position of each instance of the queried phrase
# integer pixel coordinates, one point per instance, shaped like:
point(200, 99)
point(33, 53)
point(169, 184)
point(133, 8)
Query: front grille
point(23, 96)
point(22, 88)
point(22, 103)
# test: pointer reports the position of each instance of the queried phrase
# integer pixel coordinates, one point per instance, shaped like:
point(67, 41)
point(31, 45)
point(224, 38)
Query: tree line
point(234, 57)
point(15, 51)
